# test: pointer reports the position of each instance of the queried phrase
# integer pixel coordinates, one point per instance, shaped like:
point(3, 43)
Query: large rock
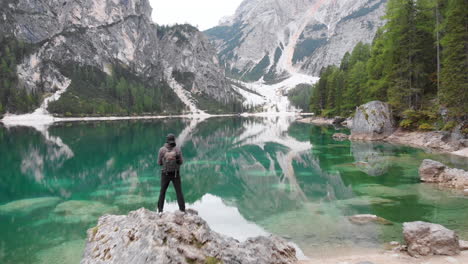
point(425, 239)
point(372, 121)
point(145, 237)
point(436, 172)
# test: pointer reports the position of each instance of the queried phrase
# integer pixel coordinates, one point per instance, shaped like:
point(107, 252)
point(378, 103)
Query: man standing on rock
point(170, 158)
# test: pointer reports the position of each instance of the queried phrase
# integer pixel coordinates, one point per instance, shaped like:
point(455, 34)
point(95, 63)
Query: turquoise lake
point(245, 176)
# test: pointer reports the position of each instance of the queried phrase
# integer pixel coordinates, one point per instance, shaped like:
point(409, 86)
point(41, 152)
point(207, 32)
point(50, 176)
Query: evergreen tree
point(454, 74)
point(400, 29)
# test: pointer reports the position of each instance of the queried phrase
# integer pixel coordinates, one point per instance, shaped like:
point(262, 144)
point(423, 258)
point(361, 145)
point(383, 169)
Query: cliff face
point(273, 37)
point(108, 33)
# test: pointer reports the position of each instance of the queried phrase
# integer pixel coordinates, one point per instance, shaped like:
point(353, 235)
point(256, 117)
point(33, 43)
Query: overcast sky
point(202, 13)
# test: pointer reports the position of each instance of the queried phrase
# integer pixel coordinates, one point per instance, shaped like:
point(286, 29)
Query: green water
point(246, 176)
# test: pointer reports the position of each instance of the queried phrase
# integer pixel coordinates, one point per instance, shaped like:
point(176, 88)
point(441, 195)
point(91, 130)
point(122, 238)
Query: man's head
point(170, 139)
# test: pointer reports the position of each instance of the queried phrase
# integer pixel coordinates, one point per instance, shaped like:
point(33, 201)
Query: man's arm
point(160, 157)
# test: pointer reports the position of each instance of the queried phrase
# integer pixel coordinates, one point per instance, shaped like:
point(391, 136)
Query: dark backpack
point(170, 160)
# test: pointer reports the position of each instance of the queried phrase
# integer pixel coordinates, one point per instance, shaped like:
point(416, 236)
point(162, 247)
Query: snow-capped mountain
point(270, 39)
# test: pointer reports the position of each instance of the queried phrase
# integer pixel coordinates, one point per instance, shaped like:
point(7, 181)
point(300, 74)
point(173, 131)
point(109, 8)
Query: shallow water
point(246, 176)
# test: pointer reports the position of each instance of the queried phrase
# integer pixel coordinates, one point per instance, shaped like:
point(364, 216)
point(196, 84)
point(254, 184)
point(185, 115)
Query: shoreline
point(429, 141)
point(381, 256)
point(46, 120)
point(316, 120)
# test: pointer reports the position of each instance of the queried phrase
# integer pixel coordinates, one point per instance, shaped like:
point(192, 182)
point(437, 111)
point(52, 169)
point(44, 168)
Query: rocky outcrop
point(267, 38)
point(146, 237)
point(425, 239)
point(367, 219)
point(435, 172)
point(436, 140)
point(340, 136)
point(372, 121)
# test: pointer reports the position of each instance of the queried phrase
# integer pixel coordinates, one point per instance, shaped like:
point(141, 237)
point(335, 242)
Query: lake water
point(246, 176)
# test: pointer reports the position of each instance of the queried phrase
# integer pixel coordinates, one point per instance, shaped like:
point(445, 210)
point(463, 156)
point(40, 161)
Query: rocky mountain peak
point(272, 37)
point(114, 34)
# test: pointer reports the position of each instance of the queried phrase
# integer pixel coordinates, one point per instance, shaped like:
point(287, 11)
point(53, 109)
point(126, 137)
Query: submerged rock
point(67, 252)
point(436, 172)
point(27, 206)
point(363, 201)
point(134, 200)
point(372, 121)
point(145, 237)
point(340, 136)
point(425, 239)
point(75, 211)
point(363, 219)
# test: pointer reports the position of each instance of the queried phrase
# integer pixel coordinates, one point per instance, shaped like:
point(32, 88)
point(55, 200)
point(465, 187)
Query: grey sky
point(202, 13)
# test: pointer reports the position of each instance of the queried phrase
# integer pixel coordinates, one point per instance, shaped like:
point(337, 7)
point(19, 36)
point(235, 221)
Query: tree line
point(13, 96)
point(93, 92)
point(418, 62)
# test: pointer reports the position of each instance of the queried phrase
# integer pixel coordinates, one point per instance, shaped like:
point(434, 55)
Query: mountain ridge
point(271, 39)
point(109, 34)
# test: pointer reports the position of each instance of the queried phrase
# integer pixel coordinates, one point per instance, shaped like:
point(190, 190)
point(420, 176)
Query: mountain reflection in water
point(246, 176)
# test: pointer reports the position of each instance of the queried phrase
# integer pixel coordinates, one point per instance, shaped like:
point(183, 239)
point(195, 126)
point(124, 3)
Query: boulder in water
point(372, 121)
point(143, 236)
point(77, 211)
point(436, 172)
point(426, 239)
point(67, 252)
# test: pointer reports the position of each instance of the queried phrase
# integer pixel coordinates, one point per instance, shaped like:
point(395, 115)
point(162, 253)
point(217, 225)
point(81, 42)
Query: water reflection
point(222, 218)
point(246, 176)
point(371, 158)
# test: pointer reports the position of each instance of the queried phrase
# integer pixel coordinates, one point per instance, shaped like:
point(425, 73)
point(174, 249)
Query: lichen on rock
point(372, 121)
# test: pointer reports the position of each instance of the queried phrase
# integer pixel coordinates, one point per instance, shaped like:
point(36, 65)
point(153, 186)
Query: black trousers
point(166, 178)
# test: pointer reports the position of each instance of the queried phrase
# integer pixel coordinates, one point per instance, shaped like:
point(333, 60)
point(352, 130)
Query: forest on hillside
point(418, 63)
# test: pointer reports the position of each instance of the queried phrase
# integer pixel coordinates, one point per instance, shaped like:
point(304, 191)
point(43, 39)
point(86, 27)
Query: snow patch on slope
point(40, 118)
point(183, 94)
point(273, 97)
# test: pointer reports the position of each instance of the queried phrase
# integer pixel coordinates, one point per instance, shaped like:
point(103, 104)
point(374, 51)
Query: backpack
point(170, 160)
